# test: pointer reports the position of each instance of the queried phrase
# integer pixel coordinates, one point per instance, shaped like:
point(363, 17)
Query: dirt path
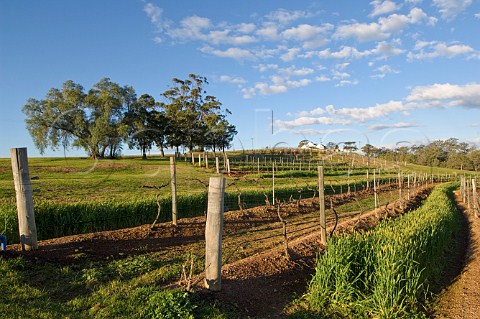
point(462, 298)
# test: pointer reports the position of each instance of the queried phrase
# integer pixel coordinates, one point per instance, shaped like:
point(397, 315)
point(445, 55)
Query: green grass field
point(79, 195)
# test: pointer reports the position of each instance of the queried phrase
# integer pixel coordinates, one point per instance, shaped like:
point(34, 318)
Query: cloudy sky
point(387, 73)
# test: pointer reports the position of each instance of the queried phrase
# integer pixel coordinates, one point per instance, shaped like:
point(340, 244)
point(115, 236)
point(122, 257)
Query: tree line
point(109, 116)
point(450, 153)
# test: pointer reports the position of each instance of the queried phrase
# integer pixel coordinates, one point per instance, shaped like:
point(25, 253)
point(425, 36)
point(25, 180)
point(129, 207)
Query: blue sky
point(387, 73)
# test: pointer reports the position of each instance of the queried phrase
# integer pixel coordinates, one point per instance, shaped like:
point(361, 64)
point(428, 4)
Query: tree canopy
point(108, 116)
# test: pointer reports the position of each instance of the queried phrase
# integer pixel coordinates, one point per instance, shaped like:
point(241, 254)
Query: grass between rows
point(389, 272)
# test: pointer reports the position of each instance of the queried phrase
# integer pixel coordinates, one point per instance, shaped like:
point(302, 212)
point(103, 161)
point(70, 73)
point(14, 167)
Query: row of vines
point(390, 271)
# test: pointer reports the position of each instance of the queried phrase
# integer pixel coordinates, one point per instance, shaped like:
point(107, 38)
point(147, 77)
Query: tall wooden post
point(206, 160)
point(375, 192)
point(213, 234)
point(273, 183)
point(400, 186)
point(173, 183)
point(321, 197)
point(193, 159)
point(199, 160)
point(217, 165)
point(475, 198)
point(23, 187)
point(408, 186)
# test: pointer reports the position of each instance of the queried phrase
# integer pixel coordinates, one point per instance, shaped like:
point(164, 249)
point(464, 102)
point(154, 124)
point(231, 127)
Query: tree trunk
point(162, 152)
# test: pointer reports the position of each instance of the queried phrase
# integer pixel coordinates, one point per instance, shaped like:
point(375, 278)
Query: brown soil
point(461, 299)
point(257, 277)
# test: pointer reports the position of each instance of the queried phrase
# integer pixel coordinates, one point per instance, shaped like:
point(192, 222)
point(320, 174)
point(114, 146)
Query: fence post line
point(23, 188)
point(213, 234)
point(173, 184)
point(321, 197)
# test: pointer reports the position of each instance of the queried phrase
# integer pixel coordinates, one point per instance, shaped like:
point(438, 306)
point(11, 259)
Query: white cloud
point(305, 31)
point(345, 52)
point(316, 111)
point(363, 114)
point(307, 120)
point(283, 16)
point(269, 32)
point(322, 78)
point(232, 79)
point(387, 49)
point(379, 127)
point(155, 14)
point(384, 28)
point(248, 93)
point(346, 83)
point(234, 53)
point(451, 8)
point(447, 94)
point(477, 15)
point(290, 55)
point(245, 27)
point(438, 49)
point(278, 83)
point(293, 71)
point(382, 7)
point(268, 89)
point(315, 132)
point(383, 70)
point(363, 32)
point(264, 67)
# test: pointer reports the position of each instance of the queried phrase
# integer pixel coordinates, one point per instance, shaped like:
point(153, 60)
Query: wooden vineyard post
point(23, 188)
point(206, 160)
point(467, 187)
point(321, 196)
point(400, 186)
point(193, 159)
point(368, 179)
point(375, 192)
point(475, 198)
point(199, 160)
point(173, 183)
point(217, 165)
point(273, 182)
point(464, 194)
point(408, 186)
point(228, 166)
point(213, 234)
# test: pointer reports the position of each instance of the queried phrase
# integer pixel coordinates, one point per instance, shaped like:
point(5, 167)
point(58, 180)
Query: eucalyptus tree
point(191, 113)
point(69, 117)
